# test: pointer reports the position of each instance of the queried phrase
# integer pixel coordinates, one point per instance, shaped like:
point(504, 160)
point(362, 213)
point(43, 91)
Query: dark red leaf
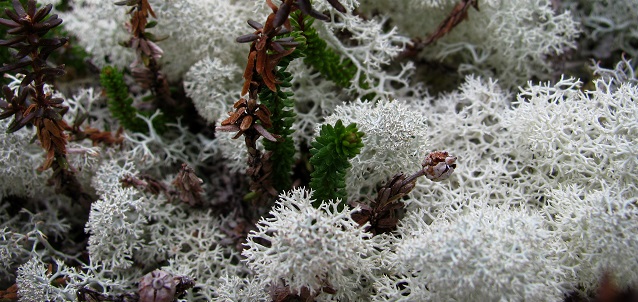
point(33, 39)
point(19, 9)
point(17, 30)
point(282, 14)
point(27, 80)
point(6, 114)
point(11, 14)
point(31, 8)
point(8, 93)
point(56, 101)
point(254, 24)
point(53, 41)
point(307, 9)
point(247, 38)
point(53, 71)
point(9, 23)
point(43, 12)
point(52, 22)
point(12, 41)
point(277, 47)
point(14, 66)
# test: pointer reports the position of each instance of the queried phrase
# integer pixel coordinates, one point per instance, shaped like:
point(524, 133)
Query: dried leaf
point(254, 24)
point(267, 135)
point(248, 72)
point(45, 139)
point(246, 122)
point(42, 12)
point(264, 118)
point(262, 56)
point(282, 14)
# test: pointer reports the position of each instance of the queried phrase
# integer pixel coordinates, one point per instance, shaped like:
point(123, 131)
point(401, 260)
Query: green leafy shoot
point(120, 104)
point(319, 56)
point(281, 104)
point(331, 152)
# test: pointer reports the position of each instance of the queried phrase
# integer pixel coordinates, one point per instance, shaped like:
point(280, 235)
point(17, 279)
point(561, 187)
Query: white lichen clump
point(307, 247)
point(488, 254)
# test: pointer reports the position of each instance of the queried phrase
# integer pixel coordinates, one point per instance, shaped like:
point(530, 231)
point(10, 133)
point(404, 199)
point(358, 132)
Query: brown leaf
point(48, 160)
point(264, 118)
point(234, 117)
point(239, 102)
point(60, 145)
point(248, 72)
point(45, 139)
point(10, 294)
point(52, 127)
point(147, 7)
point(246, 122)
point(262, 56)
point(269, 80)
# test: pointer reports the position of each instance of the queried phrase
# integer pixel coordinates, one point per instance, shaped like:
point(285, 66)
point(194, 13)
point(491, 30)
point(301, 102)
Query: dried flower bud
point(157, 286)
point(439, 165)
point(189, 186)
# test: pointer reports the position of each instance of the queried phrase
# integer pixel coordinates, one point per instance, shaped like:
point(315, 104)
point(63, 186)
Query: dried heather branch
point(381, 214)
point(189, 186)
point(147, 74)
point(30, 104)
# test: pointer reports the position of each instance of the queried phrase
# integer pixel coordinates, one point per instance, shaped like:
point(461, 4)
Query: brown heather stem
point(161, 88)
point(32, 105)
point(259, 170)
point(149, 76)
point(458, 14)
point(66, 183)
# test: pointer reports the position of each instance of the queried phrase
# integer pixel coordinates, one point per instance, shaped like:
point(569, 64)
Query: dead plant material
point(382, 213)
point(10, 294)
point(454, 18)
point(189, 186)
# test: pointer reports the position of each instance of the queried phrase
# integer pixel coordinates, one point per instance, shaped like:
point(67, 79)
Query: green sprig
point(281, 105)
point(331, 152)
point(120, 104)
point(319, 56)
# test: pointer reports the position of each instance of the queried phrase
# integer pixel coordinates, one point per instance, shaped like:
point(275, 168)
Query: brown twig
point(454, 18)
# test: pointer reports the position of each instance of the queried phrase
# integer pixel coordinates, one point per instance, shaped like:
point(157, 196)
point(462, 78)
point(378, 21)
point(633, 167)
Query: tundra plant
point(275, 151)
